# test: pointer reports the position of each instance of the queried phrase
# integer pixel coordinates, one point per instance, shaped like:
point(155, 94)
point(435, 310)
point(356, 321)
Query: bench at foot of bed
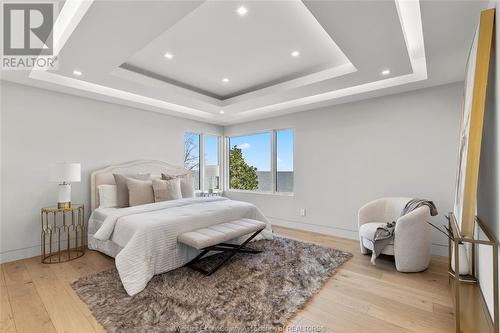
point(214, 237)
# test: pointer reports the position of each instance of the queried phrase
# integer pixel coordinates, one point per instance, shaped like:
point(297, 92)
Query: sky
point(211, 154)
point(284, 146)
point(256, 149)
point(211, 146)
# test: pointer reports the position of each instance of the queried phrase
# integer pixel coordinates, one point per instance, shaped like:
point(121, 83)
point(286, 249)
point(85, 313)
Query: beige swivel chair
point(411, 247)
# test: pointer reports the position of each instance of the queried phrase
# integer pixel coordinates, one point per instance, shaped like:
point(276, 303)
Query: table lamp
point(211, 172)
point(64, 173)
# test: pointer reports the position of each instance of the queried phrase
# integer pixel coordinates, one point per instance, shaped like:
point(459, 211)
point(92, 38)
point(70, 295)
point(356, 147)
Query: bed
point(143, 239)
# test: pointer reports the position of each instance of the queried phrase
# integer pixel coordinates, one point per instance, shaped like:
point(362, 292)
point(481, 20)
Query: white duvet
point(148, 234)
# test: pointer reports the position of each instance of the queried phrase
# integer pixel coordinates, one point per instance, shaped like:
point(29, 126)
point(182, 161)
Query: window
point(192, 156)
point(250, 162)
point(212, 166)
point(201, 152)
point(261, 162)
point(284, 160)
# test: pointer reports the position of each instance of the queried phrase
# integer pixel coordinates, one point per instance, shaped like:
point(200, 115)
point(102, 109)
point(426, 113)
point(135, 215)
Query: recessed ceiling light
point(225, 80)
point(168, 55)
point(221, 111)
point(386, 72)
point(77, 72)
point(242, 11)
point(295, 53)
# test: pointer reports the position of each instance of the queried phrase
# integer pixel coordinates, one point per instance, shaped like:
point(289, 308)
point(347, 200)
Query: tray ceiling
point(273, 42)
point(231, 61)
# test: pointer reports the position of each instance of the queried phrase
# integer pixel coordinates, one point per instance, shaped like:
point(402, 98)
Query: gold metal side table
point(64, 234)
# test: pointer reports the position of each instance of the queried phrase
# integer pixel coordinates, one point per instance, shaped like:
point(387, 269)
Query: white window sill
point(280, 194)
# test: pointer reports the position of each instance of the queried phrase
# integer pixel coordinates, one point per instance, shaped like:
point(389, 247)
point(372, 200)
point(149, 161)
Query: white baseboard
point(33, 251)
point(320, 229)
point(439, 250)
point(18, 254)
point(436, 249)
point(27, 252)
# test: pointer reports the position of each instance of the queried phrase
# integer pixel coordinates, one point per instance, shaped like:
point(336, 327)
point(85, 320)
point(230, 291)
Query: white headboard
point(105, 175)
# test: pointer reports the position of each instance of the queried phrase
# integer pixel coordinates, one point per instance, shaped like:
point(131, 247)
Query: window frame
point(275, 175)
point(199, 155)
point(219, 160)
point(201, 152)
point(274, 164)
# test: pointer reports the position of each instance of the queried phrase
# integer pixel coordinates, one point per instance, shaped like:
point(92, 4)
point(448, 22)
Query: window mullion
point(227, 167)
point(273, 162)
point(202, 162)
point(220, 162)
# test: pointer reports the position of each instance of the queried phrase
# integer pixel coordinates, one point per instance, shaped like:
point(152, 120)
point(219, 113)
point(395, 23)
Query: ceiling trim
point(420, 74)
point(411, 23)
point(148, 80)
point(322, 75)
point(117, 93)
point(67, 21)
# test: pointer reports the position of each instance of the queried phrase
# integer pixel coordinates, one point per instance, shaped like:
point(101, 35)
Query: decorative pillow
point(187, 183)
point(107, 196)
point(140, 192)
point(122, 199)
point(167, 189)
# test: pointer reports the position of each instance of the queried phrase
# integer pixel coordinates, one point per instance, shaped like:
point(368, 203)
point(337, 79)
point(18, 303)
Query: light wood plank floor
point(359, 298)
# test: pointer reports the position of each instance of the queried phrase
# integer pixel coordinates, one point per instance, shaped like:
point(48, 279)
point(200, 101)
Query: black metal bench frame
point(222, 247)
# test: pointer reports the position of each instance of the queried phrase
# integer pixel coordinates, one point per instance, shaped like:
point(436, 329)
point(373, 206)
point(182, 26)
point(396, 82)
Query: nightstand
point(64, 235)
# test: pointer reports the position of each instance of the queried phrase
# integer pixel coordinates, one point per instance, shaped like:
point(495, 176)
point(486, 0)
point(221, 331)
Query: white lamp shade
point(212, 171)
point(65, 172)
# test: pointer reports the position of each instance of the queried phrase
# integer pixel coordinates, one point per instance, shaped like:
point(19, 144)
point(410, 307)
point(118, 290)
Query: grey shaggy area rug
point(252, 293)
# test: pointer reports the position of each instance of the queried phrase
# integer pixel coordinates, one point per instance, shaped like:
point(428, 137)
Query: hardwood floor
point(359, 298)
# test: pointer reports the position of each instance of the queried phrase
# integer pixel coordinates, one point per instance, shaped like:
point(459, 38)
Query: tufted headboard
point(105, 175)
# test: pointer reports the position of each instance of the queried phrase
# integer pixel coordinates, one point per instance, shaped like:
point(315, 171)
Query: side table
point(63, 236)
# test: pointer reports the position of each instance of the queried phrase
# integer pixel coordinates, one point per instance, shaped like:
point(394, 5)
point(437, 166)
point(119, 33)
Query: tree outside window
point(192, 156)
point(242, 176)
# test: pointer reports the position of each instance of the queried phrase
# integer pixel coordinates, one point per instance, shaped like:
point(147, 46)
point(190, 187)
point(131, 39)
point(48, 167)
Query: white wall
point(40, 127)
point(489, 172)
point(397, 145)
point(347, 155)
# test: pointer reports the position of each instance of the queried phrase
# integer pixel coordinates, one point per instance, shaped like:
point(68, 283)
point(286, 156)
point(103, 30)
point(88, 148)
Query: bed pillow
point(122, 198)
point(140, 192)
point(187, 183)
point(107, 196)
point(167, 189)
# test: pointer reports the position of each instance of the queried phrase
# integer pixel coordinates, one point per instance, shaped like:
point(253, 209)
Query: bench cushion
point(219, 233)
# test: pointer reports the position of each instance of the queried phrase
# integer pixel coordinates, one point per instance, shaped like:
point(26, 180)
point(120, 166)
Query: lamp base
point(64, 196)
point(62, 205)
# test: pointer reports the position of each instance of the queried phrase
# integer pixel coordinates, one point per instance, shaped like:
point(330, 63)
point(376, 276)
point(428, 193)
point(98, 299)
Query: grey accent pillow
point(167, 189)
point(187, 183)
point(122, 197)
point(140, 192)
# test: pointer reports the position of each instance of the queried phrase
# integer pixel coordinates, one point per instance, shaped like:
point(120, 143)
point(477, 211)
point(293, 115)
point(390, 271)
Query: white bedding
point(100, 214)
point(143, 238)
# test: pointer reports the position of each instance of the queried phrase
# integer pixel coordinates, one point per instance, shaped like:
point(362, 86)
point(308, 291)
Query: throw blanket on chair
point(385, 235)
point(417, 203)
